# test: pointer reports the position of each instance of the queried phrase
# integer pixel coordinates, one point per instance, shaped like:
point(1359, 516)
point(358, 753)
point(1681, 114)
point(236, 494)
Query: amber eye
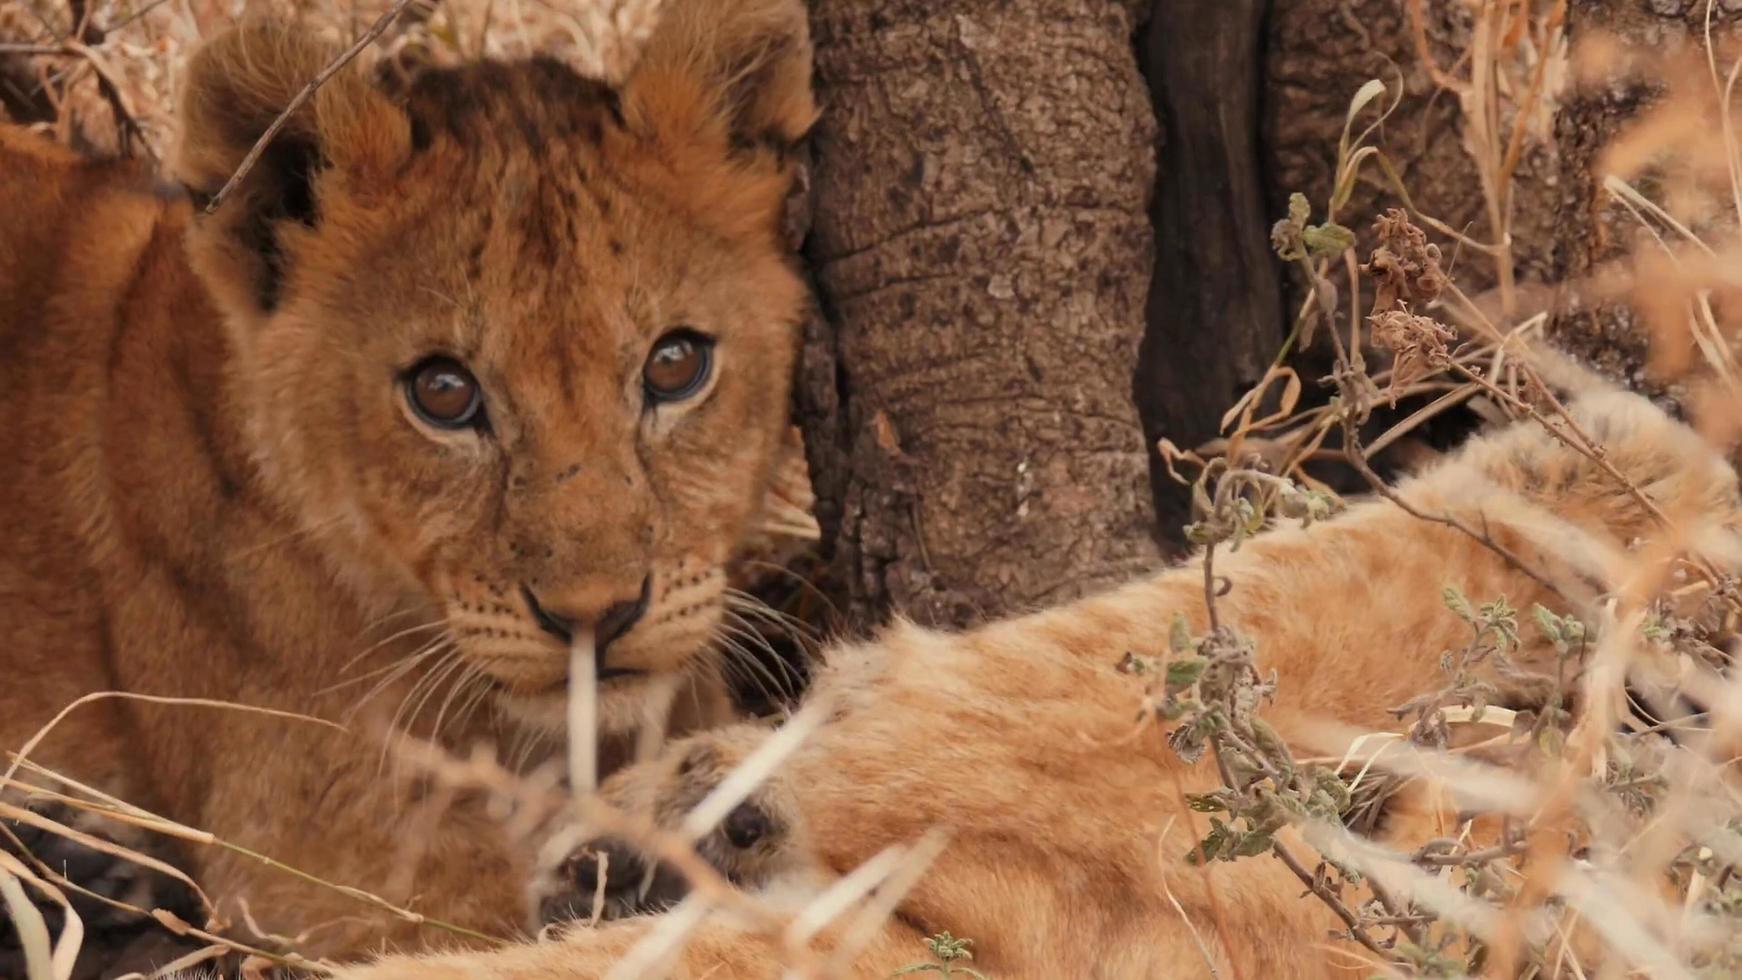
point(444, 394)
point(678, 365)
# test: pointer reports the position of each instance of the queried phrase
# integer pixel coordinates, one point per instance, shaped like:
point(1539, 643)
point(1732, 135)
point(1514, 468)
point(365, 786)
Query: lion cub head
point(515, 344)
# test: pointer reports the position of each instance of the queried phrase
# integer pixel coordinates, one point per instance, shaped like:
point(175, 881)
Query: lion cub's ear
point(725, 87)
point(237, 84)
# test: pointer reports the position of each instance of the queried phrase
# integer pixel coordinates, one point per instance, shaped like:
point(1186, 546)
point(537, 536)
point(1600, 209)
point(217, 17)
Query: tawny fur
point(1017, 737)
point(214, 488)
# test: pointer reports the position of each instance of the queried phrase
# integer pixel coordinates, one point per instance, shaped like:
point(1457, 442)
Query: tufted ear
point(237, 84)
point(726, 81)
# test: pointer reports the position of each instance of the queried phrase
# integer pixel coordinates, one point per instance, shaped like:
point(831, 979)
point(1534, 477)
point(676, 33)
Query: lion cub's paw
point(584, 876)
point(110, 931)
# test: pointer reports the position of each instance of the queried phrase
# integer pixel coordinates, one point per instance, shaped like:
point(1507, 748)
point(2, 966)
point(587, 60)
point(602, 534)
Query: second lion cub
point(1067, 835)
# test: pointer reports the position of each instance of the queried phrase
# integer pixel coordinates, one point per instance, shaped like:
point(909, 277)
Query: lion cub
point(1067, 827)
point(459, 370)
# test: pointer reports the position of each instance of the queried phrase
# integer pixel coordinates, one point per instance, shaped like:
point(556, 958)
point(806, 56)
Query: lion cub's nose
point(599, 604)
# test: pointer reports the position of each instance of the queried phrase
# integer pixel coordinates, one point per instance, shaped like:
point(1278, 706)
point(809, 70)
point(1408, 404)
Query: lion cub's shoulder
point(69, 219)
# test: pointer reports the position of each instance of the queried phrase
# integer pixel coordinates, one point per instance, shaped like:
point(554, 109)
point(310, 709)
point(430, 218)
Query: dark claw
point(629, 889)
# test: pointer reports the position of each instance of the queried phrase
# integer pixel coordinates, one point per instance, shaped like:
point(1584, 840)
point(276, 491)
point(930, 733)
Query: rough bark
point(1215, 308)
point(1592, 229)
point(1320, 52)
point(981, 248)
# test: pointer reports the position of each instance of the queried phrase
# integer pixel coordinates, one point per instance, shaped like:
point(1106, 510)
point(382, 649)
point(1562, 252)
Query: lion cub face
point(516, 342)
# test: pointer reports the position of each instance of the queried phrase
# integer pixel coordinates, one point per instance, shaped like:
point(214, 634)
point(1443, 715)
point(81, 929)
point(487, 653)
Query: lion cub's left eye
point(678, 366)
point(444, 394)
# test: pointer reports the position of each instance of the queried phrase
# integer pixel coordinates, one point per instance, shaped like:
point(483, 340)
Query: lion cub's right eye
point(444, 394)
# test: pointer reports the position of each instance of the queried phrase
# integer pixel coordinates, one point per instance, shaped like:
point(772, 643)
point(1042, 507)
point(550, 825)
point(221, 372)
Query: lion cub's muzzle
point(608, 623)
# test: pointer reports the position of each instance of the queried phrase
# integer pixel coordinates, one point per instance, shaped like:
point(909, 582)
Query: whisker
point(480, 692)
point(394, 670)
point(755, 673)
point(759, 642)
point(805, 641)
point(420, 692)
point(434, 624)
point(451, 665)
point(790, 573)
point(458, 684)
point(743, 601)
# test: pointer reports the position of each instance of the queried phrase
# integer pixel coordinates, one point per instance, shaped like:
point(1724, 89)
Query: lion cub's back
point(64, 219)
point(75, 237)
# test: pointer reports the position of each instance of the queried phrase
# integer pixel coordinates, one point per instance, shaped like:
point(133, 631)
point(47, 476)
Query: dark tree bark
point(1564, 226)
point(1320, 52)
point(1215, 307)
point(981, 247)
point(1593, 229)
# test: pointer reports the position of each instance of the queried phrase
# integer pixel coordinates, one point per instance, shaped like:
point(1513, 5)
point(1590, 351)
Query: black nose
point(621, 617)
point(617, 618)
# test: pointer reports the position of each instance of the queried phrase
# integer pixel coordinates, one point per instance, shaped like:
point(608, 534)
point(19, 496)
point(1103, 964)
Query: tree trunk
point(1320, 52)
point(1593, 228)
point(1564, 226)
point(1215, 315)
point(981, 248)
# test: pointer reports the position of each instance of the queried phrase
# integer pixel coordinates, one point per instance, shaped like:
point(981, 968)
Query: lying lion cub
point(460, 369)
point(1017, 737)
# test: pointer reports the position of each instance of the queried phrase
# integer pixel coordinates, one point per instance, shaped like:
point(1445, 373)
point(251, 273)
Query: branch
point(368, 37)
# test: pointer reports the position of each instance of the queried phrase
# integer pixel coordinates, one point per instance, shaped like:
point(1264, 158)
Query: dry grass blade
point(842, 895)
point(28, 923)
point(583, 713)
point(40, 822)
point(653, 953)
point(24, 751)
point(113, 808)
point(756, 767)
point(54, 963)
point(874, 914)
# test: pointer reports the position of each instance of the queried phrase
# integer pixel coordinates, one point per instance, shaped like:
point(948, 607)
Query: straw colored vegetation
point(1480, 723)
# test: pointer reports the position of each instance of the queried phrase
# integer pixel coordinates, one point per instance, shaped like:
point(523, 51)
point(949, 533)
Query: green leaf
point(1210, 848)
point(1185, 673)
point(1205, 803)
point(1459, 605)
point(1551, 741)
point(1253, 844)
point(1179, 635)
point(1327, 240)
point(1548, 623)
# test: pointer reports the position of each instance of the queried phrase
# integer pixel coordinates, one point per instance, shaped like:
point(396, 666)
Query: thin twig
point(307, 92)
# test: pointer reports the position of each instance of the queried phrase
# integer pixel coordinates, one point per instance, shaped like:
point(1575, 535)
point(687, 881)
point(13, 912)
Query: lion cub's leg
point(607, 891)
point(123, 939)
point(759, 845)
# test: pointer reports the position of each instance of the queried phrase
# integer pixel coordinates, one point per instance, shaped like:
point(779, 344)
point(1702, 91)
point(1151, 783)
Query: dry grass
point(106, 74)
point(1652, 888)
point(1640, 777)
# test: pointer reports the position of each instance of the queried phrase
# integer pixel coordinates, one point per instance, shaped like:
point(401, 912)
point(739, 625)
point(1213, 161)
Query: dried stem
point(307, 92)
